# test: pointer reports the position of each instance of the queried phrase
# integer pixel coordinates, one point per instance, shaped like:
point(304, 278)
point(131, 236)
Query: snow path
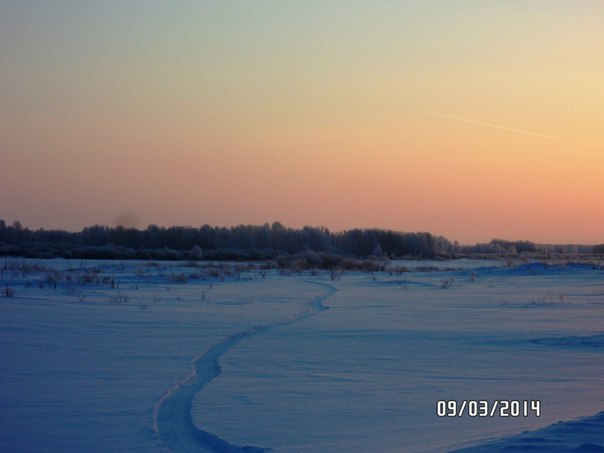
point(172, 415)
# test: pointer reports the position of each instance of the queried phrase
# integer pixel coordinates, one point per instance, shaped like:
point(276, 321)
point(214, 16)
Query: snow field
point(366, 374)
point(85, 366)
point(82, 371)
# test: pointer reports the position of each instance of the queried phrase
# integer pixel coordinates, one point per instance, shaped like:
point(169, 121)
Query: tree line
point(243, 242)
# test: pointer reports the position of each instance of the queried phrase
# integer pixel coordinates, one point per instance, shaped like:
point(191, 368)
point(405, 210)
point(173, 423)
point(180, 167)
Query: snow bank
point(583, 435)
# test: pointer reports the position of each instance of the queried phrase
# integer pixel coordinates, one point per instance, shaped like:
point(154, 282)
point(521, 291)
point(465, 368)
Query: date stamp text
point(486, 408)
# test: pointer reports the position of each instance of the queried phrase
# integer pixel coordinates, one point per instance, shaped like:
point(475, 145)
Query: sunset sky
point(469, 119)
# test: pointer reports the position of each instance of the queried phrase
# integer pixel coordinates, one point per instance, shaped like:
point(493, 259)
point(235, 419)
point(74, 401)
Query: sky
point(468, 119)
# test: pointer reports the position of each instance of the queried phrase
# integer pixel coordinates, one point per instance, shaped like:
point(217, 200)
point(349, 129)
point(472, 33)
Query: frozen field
point(138, 356)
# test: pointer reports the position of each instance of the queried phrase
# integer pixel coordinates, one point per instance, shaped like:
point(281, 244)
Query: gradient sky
point(327, 113)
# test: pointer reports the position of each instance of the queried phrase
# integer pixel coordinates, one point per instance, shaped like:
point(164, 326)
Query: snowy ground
point(136, 356)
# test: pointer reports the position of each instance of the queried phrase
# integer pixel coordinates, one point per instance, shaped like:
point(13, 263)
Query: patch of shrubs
point(310, 260)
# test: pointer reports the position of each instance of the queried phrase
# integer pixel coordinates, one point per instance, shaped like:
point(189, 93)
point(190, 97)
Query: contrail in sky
point(481, 123)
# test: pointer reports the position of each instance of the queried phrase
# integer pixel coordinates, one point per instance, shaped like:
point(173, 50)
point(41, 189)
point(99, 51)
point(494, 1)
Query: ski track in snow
point(172, 415)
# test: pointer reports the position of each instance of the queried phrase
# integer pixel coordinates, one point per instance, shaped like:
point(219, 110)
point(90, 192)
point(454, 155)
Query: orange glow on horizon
point(193, 116)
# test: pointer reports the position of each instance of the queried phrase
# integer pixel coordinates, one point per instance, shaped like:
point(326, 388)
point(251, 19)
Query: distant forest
point(253, 242)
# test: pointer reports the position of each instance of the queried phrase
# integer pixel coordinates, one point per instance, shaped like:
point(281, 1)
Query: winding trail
point(172, 415)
